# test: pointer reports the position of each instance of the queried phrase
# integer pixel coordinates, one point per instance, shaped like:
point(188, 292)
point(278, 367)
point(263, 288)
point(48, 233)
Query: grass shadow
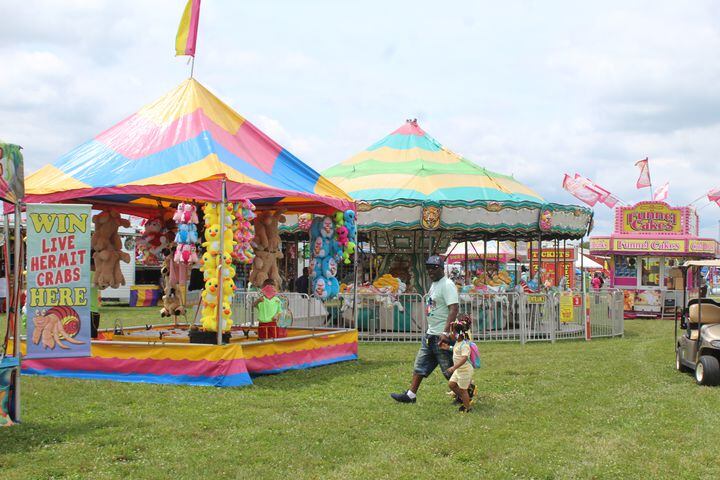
point(32, 435)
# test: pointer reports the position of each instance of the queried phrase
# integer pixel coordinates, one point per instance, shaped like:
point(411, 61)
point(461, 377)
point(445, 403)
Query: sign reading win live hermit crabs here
point(58, 280)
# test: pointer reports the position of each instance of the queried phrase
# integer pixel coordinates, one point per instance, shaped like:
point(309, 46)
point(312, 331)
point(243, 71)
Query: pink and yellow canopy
point(181, 147)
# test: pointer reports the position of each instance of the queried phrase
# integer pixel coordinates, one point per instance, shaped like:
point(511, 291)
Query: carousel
point(213, 190)
point(417, 198)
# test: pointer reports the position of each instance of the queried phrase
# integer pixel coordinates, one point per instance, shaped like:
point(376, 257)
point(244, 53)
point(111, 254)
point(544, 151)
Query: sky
point(530, 88)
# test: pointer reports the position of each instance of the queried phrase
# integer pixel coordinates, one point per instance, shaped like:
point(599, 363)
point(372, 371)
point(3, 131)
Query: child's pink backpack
point(474, 355)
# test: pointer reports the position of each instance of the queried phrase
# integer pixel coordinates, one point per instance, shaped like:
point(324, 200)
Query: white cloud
point(534, 89)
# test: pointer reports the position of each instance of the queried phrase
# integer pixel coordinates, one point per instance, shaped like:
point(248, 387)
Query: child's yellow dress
point(463, 375)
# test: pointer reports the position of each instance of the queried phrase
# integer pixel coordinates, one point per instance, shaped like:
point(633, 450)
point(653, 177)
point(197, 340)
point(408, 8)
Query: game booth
point(195, 170)
point(649, 239)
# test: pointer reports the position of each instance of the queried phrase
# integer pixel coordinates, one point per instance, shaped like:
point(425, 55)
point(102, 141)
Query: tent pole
point(218, 308)
point(516, 262)
point(467, 265)
point(539, 270)
point(355, 287)
point(530, 258)
point(9, 286)
point(557, 253)
point(16, 304)
point(485, 257)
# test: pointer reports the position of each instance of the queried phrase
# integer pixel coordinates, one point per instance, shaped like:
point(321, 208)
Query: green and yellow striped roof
point(410, 166)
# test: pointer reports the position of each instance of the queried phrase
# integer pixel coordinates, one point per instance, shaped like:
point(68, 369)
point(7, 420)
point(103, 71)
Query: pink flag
point(643, 180)
point(186, 37)
point(661, 193)
point(580, 191)
point(611, 201)
point(604, 196)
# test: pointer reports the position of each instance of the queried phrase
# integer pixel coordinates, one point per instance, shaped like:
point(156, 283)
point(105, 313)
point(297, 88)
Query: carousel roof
point(181, 147)
point(410, 166)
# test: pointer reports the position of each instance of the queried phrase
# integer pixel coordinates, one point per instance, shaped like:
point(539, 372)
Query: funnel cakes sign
point(652, 217)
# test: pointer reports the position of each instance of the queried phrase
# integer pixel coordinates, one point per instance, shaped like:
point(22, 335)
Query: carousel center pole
point(218, 311)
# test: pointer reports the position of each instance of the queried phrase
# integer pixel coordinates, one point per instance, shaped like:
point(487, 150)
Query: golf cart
point(698, 348)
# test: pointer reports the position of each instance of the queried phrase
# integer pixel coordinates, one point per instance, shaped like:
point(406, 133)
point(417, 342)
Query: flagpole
point(652, 191)
point(700, 197)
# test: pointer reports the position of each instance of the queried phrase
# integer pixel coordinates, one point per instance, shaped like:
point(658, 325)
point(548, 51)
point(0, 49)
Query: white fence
point(496, 317)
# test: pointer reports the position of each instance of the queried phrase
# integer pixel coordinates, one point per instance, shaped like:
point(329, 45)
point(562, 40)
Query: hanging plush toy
point(320, 288)
point(329, 268)
point(305, 221)
point(108, 249)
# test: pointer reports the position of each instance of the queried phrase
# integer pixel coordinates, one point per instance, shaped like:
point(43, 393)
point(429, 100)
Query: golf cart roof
point(702, 263)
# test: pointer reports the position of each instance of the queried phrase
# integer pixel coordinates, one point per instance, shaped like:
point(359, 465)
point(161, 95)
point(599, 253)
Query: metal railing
point(509, 317)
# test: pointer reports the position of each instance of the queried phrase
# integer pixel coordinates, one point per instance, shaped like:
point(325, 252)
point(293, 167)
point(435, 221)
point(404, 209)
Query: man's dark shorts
point(430, 356)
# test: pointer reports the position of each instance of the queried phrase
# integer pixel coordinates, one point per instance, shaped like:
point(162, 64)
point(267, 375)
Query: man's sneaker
point(402, 397)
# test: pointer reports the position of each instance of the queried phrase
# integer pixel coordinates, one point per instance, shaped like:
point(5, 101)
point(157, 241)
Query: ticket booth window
point(650, 268)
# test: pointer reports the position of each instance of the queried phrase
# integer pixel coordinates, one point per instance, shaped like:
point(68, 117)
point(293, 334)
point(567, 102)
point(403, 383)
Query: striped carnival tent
point(410, 181)
point(179, 147)
point(411, 166)
point(415, 197)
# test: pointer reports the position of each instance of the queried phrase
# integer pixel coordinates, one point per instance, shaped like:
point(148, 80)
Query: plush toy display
point(152, 242)
point(107, 245)
point(329, 240)
point(217, 261)
point(267, 248)
point(244, 232)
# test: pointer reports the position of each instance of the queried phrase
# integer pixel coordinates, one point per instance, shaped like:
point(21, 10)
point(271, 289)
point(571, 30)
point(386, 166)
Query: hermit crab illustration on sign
point(56, 325)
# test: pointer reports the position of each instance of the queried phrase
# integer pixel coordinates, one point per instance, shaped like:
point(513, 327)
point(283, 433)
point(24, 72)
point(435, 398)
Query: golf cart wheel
point(678, 364)
point(707, 371)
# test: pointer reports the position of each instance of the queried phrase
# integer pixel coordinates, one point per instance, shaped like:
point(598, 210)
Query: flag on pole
point(643, 180)
point(605, 197)
point(187, 30)
point(580, 191)
point(661, 193)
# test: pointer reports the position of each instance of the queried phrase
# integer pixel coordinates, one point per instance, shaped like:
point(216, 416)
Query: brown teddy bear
point(267, 253)
point(171, 304)
point(107, 245)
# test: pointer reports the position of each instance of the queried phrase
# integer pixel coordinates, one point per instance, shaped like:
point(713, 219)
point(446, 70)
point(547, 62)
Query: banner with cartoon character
point(58, 280)
point(12, 179)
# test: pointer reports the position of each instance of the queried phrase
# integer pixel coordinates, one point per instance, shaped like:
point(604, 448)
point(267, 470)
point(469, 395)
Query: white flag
point(661, 193)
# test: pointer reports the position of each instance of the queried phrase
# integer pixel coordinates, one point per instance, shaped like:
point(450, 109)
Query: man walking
point(442, 308)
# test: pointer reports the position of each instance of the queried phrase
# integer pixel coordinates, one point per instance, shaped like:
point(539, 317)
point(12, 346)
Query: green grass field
point(609, 408)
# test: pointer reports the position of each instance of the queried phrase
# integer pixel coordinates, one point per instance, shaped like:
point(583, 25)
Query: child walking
point(462, 369)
